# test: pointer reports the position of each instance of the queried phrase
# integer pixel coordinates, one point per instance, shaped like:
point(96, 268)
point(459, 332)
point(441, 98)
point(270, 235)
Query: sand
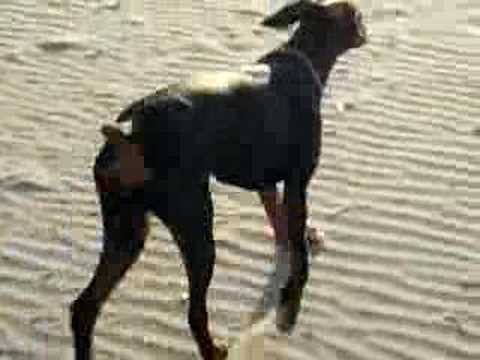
point(397, 192)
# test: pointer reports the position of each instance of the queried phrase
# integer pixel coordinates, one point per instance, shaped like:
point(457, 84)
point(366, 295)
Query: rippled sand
point(397, 192)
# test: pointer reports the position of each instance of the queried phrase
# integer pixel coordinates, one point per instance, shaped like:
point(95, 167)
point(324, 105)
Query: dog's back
point(248, 135)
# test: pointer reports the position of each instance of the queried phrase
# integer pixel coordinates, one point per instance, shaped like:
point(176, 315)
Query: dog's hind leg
point(85, 309)
point(125, 229)
point(190, 219)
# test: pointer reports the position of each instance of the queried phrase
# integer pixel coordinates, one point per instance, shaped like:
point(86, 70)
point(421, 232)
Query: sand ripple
point(397, 192)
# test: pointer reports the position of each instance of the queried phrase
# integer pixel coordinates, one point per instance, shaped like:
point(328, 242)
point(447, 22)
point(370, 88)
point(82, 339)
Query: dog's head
point(119, 178)
point(337, 27)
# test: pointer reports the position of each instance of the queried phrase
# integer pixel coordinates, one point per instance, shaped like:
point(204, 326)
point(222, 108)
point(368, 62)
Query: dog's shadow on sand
point(269, 300)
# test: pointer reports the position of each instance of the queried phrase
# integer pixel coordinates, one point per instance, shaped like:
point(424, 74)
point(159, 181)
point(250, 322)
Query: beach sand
point(397, 191)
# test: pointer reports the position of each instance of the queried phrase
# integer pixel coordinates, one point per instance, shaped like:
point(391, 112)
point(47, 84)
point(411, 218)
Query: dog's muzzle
point(362, 36)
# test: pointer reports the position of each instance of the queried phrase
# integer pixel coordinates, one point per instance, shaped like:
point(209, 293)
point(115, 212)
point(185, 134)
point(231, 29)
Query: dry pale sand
point(397, 193)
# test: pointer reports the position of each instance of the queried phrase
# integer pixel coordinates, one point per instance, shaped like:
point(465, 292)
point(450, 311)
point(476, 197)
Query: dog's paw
point(221, 352)
point(289, 308)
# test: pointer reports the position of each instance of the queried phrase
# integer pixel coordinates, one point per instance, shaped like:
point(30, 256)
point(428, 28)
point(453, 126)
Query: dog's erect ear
point(287, 15)
point(113, 135)
point(298, 11)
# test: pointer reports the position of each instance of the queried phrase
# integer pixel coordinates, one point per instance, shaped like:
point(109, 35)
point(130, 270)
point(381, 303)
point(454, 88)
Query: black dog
point(250, 135)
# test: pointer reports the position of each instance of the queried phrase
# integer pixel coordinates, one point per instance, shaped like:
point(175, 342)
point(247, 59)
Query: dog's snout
point(361, 33)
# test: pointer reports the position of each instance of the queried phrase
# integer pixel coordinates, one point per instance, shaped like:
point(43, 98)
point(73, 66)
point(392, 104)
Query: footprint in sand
point(250, 344)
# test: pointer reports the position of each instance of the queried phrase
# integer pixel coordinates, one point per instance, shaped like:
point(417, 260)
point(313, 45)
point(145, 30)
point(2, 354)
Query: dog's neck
point(323, 57)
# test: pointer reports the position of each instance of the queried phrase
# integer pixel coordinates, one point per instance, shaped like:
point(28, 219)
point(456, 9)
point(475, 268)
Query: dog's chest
point(251, 143)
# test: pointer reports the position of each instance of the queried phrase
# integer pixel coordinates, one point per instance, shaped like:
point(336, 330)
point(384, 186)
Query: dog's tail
point(129, 112)
point(137, 107)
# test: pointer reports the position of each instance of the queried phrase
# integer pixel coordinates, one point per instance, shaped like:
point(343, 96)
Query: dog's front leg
point(295, 205)
point(274, 209)
point(276, 212)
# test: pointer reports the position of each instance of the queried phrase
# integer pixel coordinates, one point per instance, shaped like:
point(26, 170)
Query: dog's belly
point(246, 181)
point(252, 166)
